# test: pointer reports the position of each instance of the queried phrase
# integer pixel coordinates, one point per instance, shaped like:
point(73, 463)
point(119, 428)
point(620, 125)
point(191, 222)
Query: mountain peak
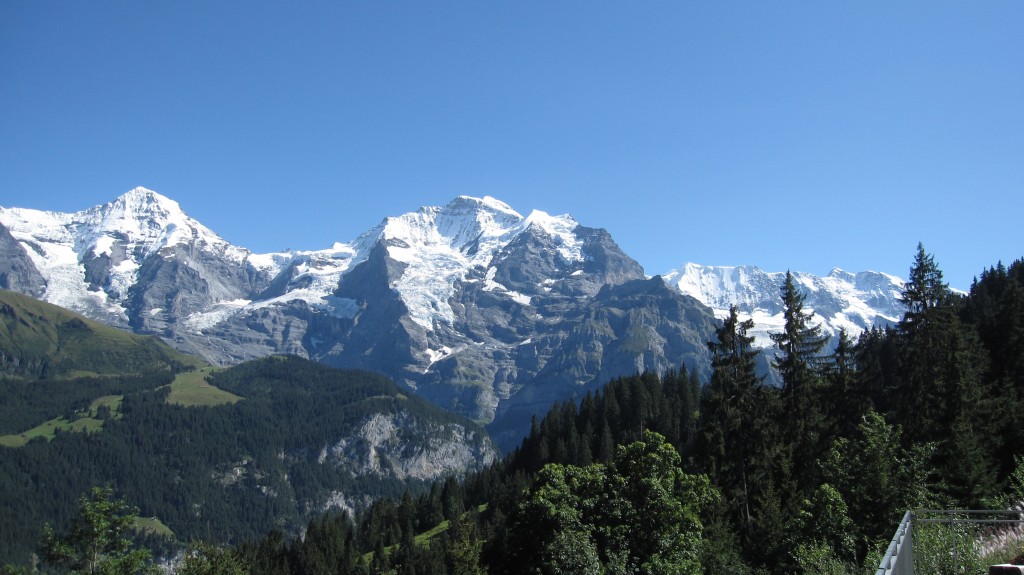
point(142, 222)
point(144, 201)
point(146, 193)
point(487, 203)
point(841, 274)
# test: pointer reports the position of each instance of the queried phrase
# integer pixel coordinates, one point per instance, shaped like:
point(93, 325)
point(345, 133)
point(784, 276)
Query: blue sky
point(789, 135)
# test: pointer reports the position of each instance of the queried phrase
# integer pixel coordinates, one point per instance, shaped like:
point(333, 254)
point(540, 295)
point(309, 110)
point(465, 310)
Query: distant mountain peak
point(142, 219)
point(145, 197)
point(851, 301)
point(488, 203)
point(143, 203)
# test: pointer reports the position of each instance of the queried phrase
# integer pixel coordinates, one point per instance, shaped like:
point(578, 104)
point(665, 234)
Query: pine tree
point(731, 445)
point(996, 307)
point(799, 364)
point(924, 291)
point(846, 400)
point(466, 547)
point(941, 393)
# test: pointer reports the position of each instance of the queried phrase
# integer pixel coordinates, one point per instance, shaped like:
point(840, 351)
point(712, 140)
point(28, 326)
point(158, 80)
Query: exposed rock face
point(17, 272)
point(532, 324)
point(396, 445)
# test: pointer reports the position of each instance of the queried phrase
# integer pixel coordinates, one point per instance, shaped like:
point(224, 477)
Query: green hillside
point(193, 389)
point(56, 364)
point(42, 341)
point(207, 465)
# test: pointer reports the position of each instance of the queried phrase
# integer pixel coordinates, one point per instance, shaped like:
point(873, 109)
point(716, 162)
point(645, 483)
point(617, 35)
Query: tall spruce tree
point(846, 399)
point(799, 363)
point(736, 436)
point(942, 394)
point(996, 307)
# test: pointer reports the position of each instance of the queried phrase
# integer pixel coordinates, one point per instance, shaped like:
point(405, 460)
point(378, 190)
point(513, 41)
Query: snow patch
point(197, 322)
point(341, 307)
point(491, 285)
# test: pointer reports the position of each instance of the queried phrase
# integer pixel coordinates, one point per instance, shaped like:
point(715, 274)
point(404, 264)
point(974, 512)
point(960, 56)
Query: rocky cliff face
point(17, 272)
point(401, 447)
point(486, 312)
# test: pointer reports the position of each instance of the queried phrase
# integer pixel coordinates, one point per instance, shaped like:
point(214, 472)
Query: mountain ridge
point(840, 300)
point(484, 311)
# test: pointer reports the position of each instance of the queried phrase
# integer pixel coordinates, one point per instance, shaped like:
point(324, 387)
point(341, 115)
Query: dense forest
point(232, 471)
point(669, 474)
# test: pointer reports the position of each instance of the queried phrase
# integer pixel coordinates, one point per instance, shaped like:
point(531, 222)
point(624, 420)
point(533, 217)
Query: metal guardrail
point(899, 558)
point(968, 534)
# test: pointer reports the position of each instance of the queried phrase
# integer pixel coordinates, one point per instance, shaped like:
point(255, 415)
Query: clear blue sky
point(799, 135)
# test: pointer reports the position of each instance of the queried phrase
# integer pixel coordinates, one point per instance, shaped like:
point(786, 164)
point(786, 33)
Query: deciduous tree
point(98, 541)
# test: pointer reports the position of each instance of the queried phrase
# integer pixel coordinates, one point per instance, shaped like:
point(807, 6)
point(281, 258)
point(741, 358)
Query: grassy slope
point(425, 537)
point(38, 339)
point(188, 390)
point(86, 422)
point(192, 389)
point(153, 525)
point(48, 430)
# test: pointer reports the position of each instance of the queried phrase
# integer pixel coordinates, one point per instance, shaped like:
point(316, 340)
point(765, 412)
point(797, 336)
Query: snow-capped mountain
point(484, 311)
point(91, 261)
point(840, 300)
point(480, 309)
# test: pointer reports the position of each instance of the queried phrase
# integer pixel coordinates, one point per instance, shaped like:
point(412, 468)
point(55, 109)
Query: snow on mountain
point(839, 300)
point(440, 245)
point(50, 243)
point(92, 259)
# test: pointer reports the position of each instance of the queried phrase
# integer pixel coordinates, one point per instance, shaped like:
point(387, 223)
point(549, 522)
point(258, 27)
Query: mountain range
point(485, 312)
point(840, 300)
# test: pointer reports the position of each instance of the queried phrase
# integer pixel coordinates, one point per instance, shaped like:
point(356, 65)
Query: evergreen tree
point(878, 478)
point(466, 547)
point(996, 307)
point(942, 394)
point(736, 439)
point(924, 291)
point(799, 364)
point(846, 400)
point(208, 559)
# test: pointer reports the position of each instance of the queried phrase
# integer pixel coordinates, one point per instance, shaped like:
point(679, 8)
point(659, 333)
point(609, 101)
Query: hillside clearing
point(191, 389)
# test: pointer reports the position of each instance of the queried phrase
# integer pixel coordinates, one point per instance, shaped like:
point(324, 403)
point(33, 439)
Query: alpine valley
point(480, 310)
